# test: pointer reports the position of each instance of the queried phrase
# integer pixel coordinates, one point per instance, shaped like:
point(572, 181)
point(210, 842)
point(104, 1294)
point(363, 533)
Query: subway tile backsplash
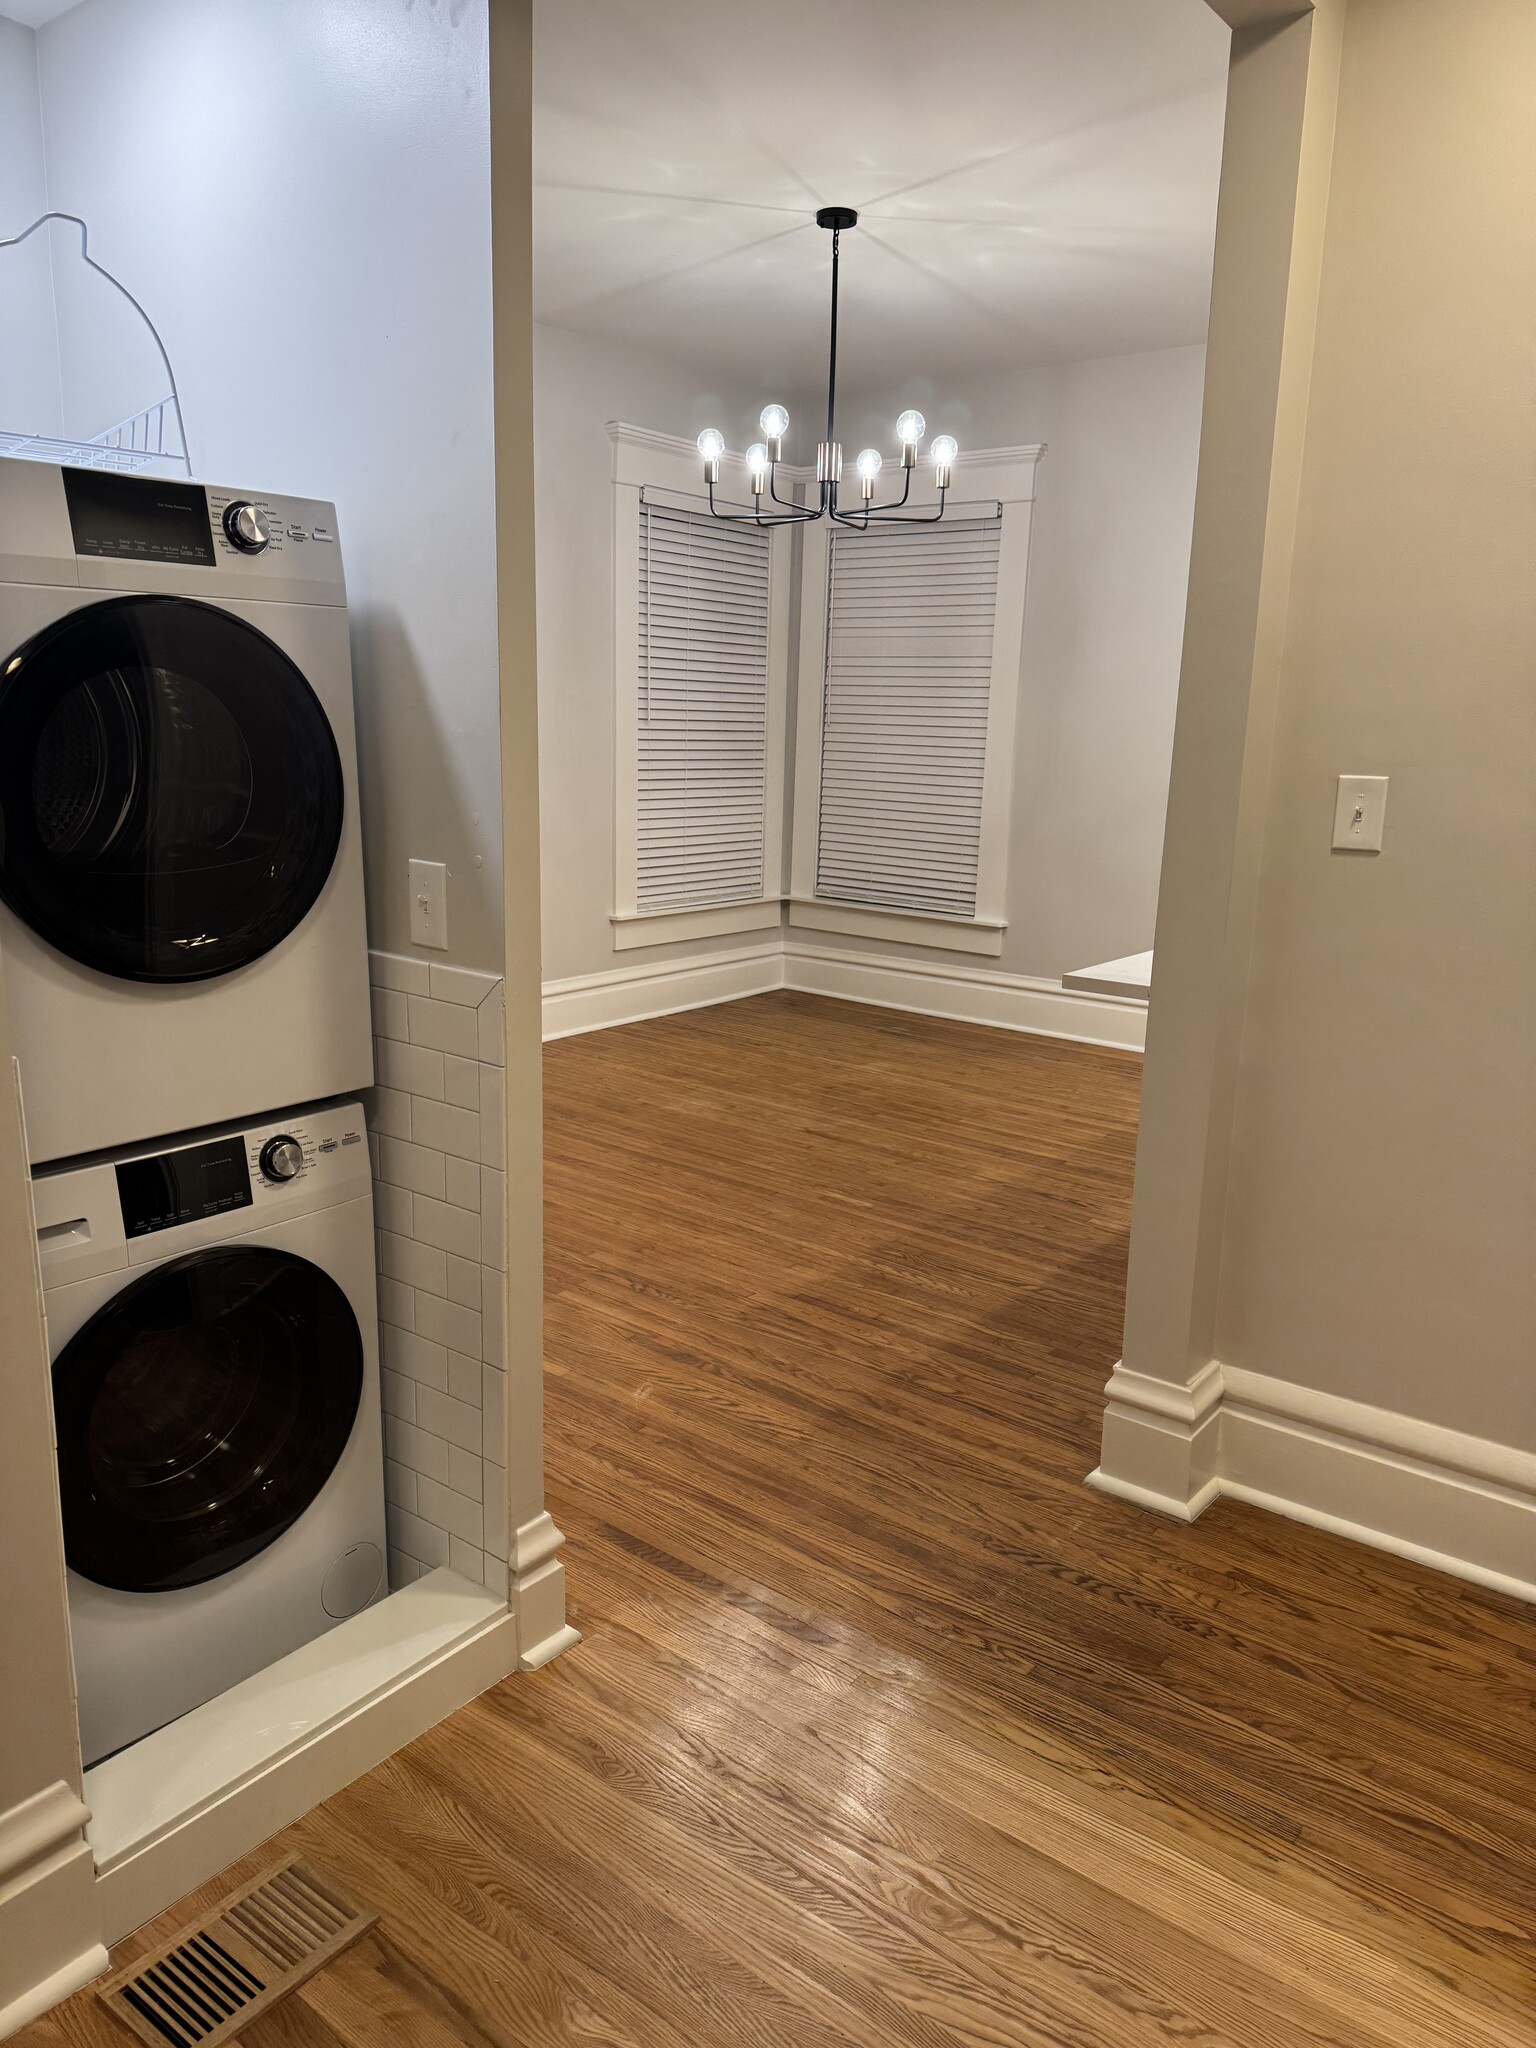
point(435, 1136)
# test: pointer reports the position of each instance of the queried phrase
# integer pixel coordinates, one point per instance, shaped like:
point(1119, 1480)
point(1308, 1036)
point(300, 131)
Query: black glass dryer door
point(200, 1413)
point(170, 789)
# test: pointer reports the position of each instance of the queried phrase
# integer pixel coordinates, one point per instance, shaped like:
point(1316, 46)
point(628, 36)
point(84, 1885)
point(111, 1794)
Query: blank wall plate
point(1360, 813)
point(429, 904)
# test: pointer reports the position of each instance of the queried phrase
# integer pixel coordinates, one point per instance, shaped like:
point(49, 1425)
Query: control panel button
point(247, 527)
point(282, 1158)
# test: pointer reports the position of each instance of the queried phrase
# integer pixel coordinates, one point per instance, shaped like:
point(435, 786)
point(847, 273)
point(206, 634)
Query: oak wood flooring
point(885, 1730)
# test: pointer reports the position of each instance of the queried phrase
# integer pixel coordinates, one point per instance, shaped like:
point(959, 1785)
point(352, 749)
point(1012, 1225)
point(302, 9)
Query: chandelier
point(764, 457)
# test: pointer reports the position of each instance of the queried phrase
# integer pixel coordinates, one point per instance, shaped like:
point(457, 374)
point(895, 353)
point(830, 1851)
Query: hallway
point(885, 1728)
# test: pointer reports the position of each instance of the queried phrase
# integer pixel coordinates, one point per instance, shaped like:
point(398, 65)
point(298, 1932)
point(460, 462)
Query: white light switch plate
point(1360, 813)
point(429, 904)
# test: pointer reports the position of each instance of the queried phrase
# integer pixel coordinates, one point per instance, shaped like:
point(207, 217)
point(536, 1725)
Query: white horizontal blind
point(910, 615)
point(703, 712)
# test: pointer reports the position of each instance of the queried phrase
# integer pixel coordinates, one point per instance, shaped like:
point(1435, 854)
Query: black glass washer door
point(200, 1413)
point(171, 794)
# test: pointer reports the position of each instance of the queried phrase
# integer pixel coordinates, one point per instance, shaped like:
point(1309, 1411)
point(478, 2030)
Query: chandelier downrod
point(764, 457)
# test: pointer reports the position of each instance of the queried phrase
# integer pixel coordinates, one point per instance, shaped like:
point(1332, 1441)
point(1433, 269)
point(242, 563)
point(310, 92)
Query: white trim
point(628, 995)
point(39, 1998)
point(671, 462)
point(1457, 1503)
point(47, 1893)
point(420, 1655)
point(899, 927)
point(538, 1594)
point(970, 995)
point(634, 929)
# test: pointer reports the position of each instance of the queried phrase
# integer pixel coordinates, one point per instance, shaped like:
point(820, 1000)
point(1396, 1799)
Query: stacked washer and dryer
point(185, 964)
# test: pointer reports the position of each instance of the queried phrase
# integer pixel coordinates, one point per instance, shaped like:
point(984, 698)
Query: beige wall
point(1382, 1201)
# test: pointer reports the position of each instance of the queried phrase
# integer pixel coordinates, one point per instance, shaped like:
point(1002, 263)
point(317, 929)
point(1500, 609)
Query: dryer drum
point(200, 1413)
point(171, 794)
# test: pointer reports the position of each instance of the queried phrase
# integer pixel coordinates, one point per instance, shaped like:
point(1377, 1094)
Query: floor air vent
point(220, 1973)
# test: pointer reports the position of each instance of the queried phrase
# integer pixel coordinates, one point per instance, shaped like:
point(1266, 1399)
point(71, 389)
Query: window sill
point(900, 927)
point(632, 929)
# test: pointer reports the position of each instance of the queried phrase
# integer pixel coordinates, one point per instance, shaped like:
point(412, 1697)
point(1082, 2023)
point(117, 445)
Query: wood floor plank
point(885, 1729)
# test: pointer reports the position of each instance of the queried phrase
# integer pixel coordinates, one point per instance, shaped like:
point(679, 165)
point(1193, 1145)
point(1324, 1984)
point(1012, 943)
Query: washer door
point(200, 1413)
point(170, 789)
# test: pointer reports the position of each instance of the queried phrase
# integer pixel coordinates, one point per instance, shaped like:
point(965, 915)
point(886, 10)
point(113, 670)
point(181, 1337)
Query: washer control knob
point(282, 1158)
point(247, 528)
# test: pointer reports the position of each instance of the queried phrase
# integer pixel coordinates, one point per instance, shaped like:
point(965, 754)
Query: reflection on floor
point(885, 1730)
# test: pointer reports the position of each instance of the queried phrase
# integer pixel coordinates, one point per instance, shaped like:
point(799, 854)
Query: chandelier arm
point(798, 516)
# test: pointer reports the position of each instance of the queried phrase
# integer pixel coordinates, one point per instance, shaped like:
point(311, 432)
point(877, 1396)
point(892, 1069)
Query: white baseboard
point(628, 995)
point(50, 1936)
point(970, 995)
point(1454, 1502)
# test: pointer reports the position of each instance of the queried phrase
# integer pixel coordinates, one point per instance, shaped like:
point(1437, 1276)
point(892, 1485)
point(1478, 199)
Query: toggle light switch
point(429, 904)
point(1360, 813)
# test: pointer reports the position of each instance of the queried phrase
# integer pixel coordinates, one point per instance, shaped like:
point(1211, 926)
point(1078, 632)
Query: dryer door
point(170, 789)
point(200, 1413)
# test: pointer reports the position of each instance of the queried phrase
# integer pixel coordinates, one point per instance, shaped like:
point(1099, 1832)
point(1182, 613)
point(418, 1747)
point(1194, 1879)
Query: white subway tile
point(491, 1028)
point(464, 985)
point(445, 1322)
point(391, 1017)
point(466, 1560)
point(411, 1166)
point(373, 1154)
point(493, 1402)
point(397, 1303)
point(397, 1396)
point(420, 1266)
point(451, 1230)
point(461, 1082)
point(464, 1184)
point(464, 1281)
point(464, 1378)
point(447, 1129)
point(445, 1417)
point(392, 1209)
point(388, 1111)
point(445, 1027)
point(493, 1217)
point(403, 1570)
point(417, 1449)
point(493, 1116)
point(455, 1512)
point(415, 1069)
point(399, 1486)
point(464, 1470)
point(416, 1537)
point(394, 970)
point(496, 1580)
point(493, 1343)
point(415, 1358)
point(495, 1490)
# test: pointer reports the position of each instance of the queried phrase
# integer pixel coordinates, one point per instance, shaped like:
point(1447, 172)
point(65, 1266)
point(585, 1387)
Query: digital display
point(138, 518)
point(183, 1187)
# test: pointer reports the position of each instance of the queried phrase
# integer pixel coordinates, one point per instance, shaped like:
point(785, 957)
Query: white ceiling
point(1036, 179)
point(33, 13)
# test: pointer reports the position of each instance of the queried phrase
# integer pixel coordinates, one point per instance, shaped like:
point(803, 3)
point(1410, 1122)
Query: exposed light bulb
point(870, 462)
point(944, 450)
point(910, 428)
point(774, 422)
point(711, 444)
point(757, 466)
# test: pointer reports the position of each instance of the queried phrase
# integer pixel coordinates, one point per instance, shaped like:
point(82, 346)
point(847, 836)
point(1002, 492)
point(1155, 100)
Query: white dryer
point(181, 886)
point(213, 1327)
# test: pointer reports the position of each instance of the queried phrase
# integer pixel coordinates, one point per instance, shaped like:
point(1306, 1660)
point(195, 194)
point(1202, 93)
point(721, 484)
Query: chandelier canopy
point(764, 457)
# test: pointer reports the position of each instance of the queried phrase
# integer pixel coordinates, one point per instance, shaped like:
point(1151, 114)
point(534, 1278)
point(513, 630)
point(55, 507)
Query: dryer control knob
point(281, 1158)
point(247, 528)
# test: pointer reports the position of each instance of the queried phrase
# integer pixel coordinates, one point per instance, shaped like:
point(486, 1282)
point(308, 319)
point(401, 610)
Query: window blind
point(904, 719)
point(703, 711)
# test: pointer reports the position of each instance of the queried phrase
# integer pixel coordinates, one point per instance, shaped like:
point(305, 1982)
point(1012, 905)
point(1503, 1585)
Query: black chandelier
point(764, 457)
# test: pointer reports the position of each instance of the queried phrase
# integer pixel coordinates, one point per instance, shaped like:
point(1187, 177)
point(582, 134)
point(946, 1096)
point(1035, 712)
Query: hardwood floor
point(885, 1730)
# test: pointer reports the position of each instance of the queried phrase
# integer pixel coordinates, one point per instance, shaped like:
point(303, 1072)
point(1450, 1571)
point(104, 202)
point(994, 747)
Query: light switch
point(1360, 813)
point(429, 904)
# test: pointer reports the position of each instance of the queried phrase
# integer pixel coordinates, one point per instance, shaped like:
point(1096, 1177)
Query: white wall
point(579, 385)
point(29, 355)
point(299, 194)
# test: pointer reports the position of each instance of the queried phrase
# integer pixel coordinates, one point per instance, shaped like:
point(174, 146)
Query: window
point(703, 711)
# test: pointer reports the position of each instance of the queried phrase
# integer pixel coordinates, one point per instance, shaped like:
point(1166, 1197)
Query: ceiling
point(1036, 179)
point(33, 13)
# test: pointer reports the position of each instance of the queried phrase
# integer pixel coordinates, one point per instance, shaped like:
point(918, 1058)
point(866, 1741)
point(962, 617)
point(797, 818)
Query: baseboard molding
point(628, 995)
point(1456, 1503)
point(969, 995)
point(50, 1936)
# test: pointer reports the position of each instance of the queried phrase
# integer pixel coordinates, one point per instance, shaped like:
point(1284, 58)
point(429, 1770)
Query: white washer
point(181, 884)
point(213, 1326)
